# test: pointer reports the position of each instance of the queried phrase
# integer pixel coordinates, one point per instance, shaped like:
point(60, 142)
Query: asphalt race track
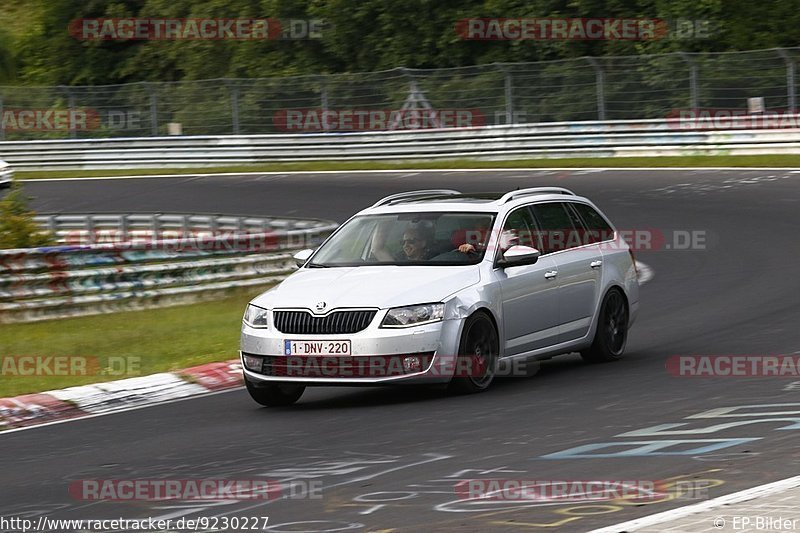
point(390, 459)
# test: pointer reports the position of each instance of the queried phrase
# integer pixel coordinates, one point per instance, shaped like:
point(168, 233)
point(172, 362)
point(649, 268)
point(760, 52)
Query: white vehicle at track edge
point(6, 173)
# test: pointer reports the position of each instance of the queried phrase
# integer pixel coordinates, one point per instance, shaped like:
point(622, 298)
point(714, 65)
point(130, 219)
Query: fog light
point(253, 362)
point(412, 364)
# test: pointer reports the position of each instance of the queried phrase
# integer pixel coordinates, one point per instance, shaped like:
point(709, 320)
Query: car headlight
point(255, 316)
point(413, 315)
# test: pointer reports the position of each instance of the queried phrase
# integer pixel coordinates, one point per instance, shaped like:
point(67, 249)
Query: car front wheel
point(477, 355)
point(274, 394)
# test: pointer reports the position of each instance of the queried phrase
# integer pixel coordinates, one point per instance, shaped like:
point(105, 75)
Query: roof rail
point(513, 195)
point(414, 194)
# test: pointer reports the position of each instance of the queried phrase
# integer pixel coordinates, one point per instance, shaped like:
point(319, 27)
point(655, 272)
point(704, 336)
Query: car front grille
point(337, 322)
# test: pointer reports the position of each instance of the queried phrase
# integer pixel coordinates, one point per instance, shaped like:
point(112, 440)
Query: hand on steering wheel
point(467, 249)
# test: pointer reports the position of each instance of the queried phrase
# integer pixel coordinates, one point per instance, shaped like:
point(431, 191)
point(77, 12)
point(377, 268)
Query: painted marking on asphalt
point(646, 273)
point(405, 175)
point(682, 512)
point(643, 448)
point(730, 183)
point(432, 457)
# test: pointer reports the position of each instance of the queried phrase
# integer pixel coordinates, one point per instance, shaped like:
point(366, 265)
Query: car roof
point(450, 200)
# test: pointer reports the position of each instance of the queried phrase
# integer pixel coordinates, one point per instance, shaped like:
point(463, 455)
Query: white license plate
point(295, 347)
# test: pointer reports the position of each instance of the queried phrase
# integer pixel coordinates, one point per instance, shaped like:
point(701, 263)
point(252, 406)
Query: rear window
point(556, 230)
point(597, 226)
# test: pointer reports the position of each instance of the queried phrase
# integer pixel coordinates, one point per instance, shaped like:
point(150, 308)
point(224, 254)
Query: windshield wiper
point(317, 265)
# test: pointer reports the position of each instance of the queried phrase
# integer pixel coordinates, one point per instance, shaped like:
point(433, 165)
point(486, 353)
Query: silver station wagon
point(437, 286)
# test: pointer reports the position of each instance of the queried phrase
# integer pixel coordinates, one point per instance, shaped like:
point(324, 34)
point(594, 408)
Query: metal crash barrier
point(744, 135)
point(112, 262)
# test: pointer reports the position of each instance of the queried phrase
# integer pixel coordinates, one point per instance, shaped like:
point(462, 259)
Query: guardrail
point(633, 138)
point(119, 262)
point(134, 228)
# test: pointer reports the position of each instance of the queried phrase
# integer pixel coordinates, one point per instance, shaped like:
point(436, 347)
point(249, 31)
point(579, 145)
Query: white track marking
point(645, 272)
point(403, 170)
point(682, 512)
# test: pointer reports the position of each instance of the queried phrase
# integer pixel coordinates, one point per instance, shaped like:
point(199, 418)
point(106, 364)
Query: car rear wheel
point(612, 330)
point(477, 355)
point(274, 394)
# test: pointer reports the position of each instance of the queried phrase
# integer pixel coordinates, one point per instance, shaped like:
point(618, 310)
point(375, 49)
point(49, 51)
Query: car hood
point(368, 286)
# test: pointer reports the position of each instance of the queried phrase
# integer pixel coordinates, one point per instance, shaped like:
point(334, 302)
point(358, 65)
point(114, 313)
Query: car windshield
point(429, 238)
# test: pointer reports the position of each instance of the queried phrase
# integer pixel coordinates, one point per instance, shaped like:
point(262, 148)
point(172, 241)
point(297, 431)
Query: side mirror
point(519, 255)
point(302, 256)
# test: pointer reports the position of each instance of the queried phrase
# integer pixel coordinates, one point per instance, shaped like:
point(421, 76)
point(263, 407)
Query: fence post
point(153, 108)
point(693, 83)
point(71, 106)
point(323, 97)
point(123, 227)
point(233, 87)
point(155, 227)
point(790, 83)
point(600, 82)
point(90, 232)
point(508, 80)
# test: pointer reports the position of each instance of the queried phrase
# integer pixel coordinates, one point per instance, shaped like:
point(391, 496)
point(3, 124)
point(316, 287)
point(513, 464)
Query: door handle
point(596, 264)
point(550, 274)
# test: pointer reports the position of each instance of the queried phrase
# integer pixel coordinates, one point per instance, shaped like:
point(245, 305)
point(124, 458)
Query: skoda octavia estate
point(437, 286)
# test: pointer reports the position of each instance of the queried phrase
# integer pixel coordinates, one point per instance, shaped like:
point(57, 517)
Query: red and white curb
point(102, 398)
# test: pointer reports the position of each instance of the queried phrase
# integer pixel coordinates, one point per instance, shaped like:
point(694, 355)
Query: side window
point(598, 229)
point(519, 228)
point(557, 230)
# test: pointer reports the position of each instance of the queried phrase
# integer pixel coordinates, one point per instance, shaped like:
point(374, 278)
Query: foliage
point(361, 35)
point(18, 229)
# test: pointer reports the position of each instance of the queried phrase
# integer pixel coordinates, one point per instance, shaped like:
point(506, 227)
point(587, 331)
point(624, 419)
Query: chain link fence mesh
point(601, 88)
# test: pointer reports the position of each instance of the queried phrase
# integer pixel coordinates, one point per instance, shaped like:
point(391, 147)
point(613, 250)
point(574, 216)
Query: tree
point(7, 65)
point(18, 229)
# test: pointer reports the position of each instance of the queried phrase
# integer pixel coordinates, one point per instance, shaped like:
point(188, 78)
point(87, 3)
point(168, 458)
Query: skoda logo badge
point(321, 306)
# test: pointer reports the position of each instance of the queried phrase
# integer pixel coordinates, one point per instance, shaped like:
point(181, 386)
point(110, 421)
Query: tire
point(275, 394)
point(478, 350)
point(612, 330)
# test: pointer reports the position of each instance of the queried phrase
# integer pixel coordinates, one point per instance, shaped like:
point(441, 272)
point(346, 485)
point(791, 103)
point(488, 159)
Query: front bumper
point(376, 355)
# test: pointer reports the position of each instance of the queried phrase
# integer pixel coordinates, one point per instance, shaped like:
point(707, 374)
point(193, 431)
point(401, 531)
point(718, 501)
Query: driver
point(475, 239)
point(417, 243)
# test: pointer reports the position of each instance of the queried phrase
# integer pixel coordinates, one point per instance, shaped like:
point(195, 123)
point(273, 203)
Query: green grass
point(164, 339)
point(616, 162)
